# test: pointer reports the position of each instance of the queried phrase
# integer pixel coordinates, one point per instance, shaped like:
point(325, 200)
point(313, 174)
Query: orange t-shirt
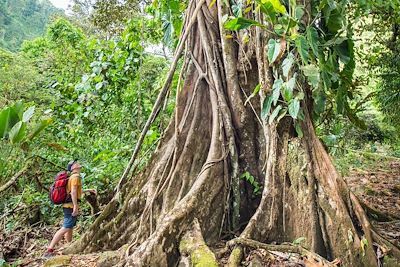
point(73, 180)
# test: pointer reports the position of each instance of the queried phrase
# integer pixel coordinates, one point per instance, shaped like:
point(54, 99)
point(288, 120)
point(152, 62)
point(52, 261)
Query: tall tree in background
point(241, 60)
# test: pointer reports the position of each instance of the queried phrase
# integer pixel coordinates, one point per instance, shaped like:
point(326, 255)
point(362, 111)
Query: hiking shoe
point(48, 255)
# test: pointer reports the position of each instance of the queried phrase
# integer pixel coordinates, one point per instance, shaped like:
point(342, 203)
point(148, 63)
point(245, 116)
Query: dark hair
point(69, 166)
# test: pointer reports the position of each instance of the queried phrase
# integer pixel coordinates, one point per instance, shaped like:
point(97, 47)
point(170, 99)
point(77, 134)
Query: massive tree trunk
point(213, 138)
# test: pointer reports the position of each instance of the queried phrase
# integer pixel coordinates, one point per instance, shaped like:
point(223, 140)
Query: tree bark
point(213, 138)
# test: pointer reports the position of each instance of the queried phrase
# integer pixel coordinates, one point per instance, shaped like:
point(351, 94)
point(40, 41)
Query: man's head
point(73, 166)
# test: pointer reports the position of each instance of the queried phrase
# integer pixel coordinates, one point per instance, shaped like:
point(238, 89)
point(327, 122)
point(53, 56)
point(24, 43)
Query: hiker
point(71, 207)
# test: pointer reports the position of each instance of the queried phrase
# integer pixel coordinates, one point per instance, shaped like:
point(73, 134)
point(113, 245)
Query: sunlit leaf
point(287, 64)
point(240, 24)
point(276, 4)
point(276, 89)
point(274, 48)
point(4, 120)
point(28, 114)
point(17, 132)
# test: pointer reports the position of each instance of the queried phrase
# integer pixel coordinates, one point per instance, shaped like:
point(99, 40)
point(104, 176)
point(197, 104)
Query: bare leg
point(68, 235)
point(58, 236)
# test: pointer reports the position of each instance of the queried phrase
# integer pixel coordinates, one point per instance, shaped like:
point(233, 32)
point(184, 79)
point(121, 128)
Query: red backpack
point(58, 191)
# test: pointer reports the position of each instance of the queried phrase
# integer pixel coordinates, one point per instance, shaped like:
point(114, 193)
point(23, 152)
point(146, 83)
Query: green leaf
point(312, 73)
point(302, 48)
point(343, 51)
point(99, 85)
point(294, 108)
point(299, 12)
point(298, 129)
point(282, 114)
point(266, 107)
point(287, 64)
point(28, 114)
point(40, 127)
point(240, 24)
point(268, 9)
point(341, 99)
point(17, 110)
point(16, 113)
point(274, 114)
point(335, 20)
point(4, 120)
point(312, 37)
point(256, 89)
point(255, 92)
point(288, 89)
point(274, 48)
point(277, 6)
point(276, 90)
point(17, 132)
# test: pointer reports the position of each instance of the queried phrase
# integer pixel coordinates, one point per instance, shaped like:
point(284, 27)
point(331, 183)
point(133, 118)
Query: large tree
point(241, 60)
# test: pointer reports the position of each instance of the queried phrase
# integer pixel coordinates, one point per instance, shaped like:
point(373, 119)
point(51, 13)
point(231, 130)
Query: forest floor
point(377, 185)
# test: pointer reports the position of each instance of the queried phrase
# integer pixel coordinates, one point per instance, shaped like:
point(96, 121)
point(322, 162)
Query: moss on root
point(58, 261)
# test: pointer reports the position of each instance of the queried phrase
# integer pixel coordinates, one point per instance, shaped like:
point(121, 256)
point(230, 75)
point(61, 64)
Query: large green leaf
point(266, 107)
point(302, 48)
point(40, 127)
point(311, 71)
point(312, 37)
point(240, 23)
point(287, 64)
point(4, 120)
point(335, 20)
point(341, 99)
point(294, 108)
point(277, 6)
point(17, 110)
point(17, 132)
point(343, 51)
point(287, 92)
point(16, 113)
point(274, 48)
point(299, 12)
point(276, 90)
point(28, 114)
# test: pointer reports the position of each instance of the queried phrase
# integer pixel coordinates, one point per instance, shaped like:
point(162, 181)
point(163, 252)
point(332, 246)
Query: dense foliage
point(91, 98)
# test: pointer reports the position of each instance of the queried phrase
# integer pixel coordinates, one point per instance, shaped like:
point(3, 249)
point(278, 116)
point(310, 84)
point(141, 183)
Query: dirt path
point(379, 188)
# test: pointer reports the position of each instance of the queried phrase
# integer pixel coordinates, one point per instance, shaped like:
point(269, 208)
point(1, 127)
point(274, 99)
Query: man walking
point(71, 208)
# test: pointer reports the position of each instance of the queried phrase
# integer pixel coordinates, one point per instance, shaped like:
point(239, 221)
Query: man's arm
point(74, 196)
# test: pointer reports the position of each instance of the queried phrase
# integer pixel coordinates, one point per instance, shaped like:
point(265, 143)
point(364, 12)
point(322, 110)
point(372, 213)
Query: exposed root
point(288, 248)
point(194, 250)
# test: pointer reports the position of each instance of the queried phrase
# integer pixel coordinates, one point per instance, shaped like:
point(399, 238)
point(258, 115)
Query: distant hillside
point(23, 19)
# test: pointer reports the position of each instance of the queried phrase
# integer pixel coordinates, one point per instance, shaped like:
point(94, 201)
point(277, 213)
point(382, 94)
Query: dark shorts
point(69, 220)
